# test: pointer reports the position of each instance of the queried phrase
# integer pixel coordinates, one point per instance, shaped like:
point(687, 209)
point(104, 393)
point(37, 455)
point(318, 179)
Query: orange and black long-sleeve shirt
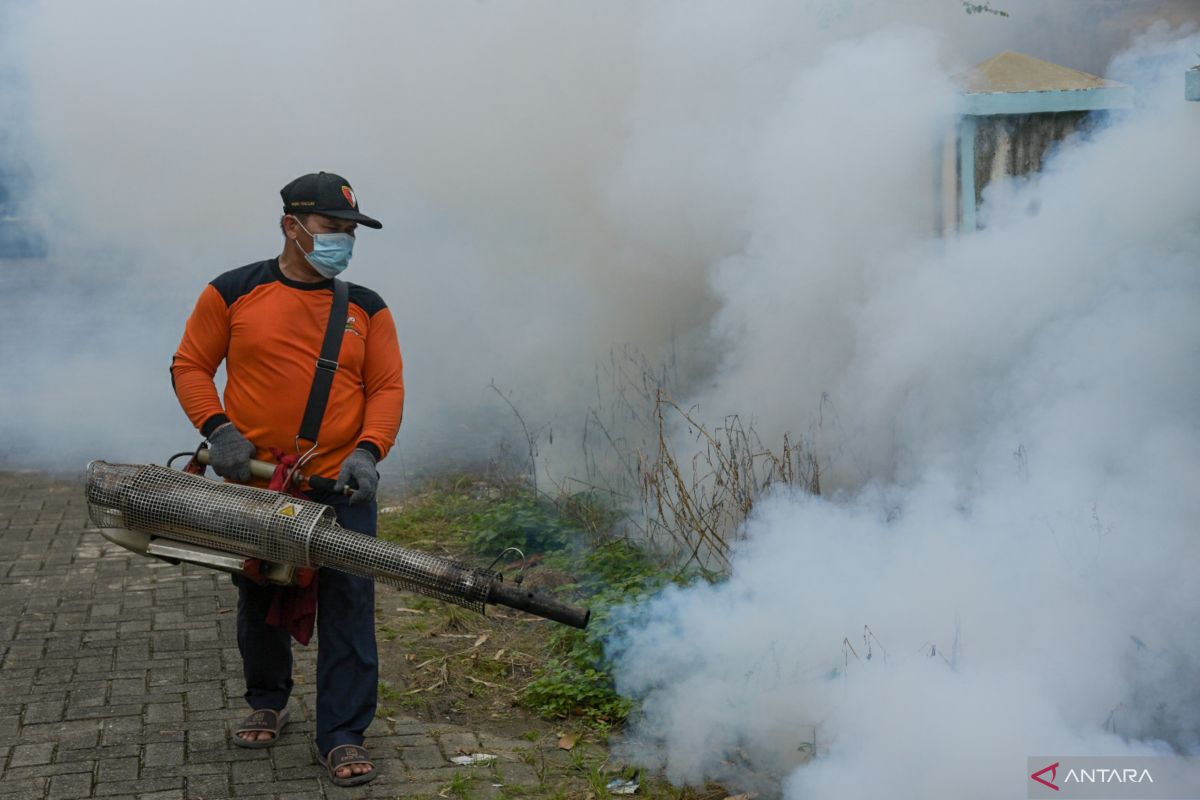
point(268, 329)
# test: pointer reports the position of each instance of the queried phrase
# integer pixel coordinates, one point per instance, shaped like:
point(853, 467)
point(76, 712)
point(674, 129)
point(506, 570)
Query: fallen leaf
point(498, 655)
point(480, 640)
point(568, 741)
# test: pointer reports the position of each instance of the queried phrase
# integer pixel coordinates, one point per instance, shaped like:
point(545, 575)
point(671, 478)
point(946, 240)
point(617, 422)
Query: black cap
point(327, 194)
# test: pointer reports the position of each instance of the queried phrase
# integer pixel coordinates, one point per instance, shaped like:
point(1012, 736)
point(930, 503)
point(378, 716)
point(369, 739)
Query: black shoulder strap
point(327, 364)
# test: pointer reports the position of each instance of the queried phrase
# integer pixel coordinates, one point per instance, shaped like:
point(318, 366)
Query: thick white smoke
point(556, 179)
point(1009, 570)
point(1016, 419)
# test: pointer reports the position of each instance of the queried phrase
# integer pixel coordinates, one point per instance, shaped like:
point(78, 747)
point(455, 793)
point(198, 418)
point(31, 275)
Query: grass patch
point(460, 786)
point(457, 660)
point(438, 515)
point(576, 679)
point(529, 523)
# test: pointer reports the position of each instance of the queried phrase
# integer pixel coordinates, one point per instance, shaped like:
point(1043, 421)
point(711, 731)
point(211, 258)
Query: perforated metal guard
point(258, 523)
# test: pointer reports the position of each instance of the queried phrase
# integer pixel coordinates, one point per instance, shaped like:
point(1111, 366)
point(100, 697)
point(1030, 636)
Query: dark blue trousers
point(347, 660)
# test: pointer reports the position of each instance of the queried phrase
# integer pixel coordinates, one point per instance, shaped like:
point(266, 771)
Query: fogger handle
point(513, 596)
point(266, 470)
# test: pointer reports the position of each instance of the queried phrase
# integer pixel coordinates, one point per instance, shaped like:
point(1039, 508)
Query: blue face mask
point(331, 251)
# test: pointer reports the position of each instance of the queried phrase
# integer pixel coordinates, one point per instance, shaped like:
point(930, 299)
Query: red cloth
point(293, 607)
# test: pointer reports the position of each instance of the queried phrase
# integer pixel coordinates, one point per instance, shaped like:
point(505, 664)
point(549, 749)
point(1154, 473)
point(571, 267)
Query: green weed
point(460, 785)
point(577, 681)
point(575, 536)
point(524, 521)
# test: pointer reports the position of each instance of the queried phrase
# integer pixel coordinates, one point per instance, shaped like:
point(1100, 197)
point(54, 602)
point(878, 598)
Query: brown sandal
point(262, 720)
point(345, 755)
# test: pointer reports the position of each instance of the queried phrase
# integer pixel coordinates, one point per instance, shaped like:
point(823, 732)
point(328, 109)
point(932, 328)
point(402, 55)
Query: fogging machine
point(181, 517)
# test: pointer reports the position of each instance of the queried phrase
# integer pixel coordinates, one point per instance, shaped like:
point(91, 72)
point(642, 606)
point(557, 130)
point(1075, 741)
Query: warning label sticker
point(288, 510)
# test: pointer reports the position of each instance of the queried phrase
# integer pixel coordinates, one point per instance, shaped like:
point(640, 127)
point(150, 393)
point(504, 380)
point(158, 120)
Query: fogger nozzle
point(258, 523)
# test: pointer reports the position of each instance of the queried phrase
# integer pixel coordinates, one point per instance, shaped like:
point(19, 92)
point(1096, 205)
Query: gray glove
point(358, 467)
point(229, 453)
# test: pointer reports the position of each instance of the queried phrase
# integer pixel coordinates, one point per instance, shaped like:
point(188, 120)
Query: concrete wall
point(1018, 145)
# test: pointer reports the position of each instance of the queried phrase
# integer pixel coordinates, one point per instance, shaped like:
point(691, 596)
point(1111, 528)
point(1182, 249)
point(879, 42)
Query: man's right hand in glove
point(229, 453)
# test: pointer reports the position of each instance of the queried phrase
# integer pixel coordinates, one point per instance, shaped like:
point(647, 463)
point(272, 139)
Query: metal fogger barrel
point(170, 514)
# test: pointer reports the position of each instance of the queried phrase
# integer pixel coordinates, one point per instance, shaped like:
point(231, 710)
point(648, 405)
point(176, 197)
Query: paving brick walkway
point(120, 676)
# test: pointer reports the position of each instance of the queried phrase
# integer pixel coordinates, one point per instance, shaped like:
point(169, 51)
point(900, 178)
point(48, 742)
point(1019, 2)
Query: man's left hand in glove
point(359, 468)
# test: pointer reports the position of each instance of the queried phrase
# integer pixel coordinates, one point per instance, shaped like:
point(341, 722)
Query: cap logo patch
point(349, 193)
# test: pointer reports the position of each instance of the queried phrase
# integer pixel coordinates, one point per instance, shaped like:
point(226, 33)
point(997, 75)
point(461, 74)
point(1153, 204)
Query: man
point(267, 321)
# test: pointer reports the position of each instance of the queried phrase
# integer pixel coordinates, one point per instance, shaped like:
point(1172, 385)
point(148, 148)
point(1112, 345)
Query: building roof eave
point(981, 104)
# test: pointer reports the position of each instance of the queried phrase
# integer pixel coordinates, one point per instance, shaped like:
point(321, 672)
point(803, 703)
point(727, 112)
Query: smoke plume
point(1005, 569)
point(556, 180)
point(1008, 418)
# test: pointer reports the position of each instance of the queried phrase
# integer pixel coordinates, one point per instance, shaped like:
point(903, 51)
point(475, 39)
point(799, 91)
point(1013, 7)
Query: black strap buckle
point(327, 364)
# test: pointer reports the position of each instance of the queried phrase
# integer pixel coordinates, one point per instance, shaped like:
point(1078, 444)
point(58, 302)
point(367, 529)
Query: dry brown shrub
point(691, 484)
point(699, 505)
